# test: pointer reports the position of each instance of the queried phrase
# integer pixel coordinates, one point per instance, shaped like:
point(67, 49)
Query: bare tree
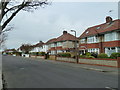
point(3, 38)
point(10, 8)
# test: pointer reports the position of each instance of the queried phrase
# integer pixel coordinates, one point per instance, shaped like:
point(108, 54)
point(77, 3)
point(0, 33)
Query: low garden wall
point(52, 57)
point(65, 59)
point(43, 57)
point(100, 62)
point(95, 61)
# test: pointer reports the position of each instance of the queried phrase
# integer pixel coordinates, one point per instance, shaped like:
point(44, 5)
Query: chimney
point(40, 41)
point(64, 32)
point(108, 19)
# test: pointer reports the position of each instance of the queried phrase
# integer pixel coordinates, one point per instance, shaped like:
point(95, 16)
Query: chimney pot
point(108, 19)
point(64, 32)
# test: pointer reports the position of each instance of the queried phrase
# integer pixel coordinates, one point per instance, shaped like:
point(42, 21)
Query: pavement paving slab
point(0, 71)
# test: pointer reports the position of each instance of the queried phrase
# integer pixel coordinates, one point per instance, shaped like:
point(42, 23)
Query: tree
point(3, 38)
point(26, 48)
point(10, 8)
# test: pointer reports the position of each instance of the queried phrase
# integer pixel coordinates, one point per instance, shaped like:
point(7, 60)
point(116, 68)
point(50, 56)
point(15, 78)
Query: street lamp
point(75, 45)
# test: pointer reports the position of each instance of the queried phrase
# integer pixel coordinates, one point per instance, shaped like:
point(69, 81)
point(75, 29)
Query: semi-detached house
point(63, 43)
point(103, 38)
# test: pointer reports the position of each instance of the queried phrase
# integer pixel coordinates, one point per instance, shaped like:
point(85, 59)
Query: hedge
point(114, 55)
point(67, 54)
point(102, 55)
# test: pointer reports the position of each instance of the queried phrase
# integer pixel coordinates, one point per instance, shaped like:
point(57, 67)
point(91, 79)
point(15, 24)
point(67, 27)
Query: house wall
point(59, 47)
point(68, 44)
point(102, 42)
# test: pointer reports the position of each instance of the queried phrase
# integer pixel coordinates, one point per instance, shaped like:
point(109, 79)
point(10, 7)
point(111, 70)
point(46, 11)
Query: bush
point(102, 55)
point(114, 55)
point(88, 54)
point(94, 54)
point(67, 54)
point(90, 57)
point(42, 53)
point(82, 56)
point(85, 56)
point(33, 53)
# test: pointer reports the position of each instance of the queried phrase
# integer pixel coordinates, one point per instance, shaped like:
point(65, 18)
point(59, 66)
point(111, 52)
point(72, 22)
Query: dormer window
point(87, 32)
point(98, 28)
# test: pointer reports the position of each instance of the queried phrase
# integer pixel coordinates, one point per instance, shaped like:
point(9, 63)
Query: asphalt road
point(26, 73)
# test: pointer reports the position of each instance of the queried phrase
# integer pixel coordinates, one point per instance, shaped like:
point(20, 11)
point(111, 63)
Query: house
point(103, 38)
point(40, 47)
point(63, 43)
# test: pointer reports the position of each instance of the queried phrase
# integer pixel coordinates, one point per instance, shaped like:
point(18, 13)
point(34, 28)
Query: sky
point(49, 22)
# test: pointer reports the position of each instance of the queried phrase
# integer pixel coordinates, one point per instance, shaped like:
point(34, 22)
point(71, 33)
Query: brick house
point(103, 38)
point(63, 43)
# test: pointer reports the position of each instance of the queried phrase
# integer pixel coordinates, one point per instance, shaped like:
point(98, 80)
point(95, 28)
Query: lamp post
point(75, 46)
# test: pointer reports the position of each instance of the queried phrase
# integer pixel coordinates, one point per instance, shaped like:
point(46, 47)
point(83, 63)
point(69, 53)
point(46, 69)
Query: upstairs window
point(59, 43)
point(82, 40)
point(93, 39)
point(52, 45)
point(111, 36)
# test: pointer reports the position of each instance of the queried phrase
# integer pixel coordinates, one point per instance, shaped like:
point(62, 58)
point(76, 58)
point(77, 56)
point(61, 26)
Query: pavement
point(1, 72)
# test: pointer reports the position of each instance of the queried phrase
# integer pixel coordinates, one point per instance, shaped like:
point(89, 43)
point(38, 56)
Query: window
point(82, 41)
point(52, 45)
point(98, 28)
point(111, 36)
point(110, 50)
point(93, 39)
point(118, 48)
point(59, 43)
point(87, 32)
point(94, 50)
point(59, 51)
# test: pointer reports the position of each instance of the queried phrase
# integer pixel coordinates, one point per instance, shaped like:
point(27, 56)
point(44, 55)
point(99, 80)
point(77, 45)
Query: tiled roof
point(51, 40)
point(64, 37)
point(102, 28)
point(38, 44)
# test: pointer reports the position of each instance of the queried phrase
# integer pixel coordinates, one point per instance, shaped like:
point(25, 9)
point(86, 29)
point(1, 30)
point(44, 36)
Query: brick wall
point(96, 61)
point(100, 62)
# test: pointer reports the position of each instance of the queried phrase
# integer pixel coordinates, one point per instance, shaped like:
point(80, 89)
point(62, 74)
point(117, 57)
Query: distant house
point(37, 47)
point(63, 43)
point(10, 51)
point(103, 38)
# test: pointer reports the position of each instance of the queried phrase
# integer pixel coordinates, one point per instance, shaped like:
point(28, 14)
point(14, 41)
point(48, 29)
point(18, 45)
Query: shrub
point(33, 53)
point(42, 53)
point(94, 54)
point(82, 56)
point(114, 55)
point(102, 55)
point(88, 54)
point(85, 56)
point(90, 57)
point(67, 54)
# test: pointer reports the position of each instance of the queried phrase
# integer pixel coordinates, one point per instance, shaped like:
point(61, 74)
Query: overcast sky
point(49, 22)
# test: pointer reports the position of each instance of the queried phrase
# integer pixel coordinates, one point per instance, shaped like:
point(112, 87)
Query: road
point(22, 72)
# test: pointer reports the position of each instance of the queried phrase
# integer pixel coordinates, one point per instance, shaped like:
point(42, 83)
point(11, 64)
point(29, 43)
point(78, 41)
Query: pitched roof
point(51, 40)
point(102, 28)
point(64, 37)
point(38, 44)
